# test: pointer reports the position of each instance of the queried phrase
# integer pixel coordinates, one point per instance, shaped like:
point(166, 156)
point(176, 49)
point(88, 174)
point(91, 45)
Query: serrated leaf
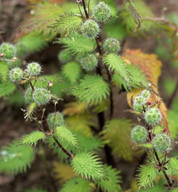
point(6, 88)
point(117, 64)
point(67, 23)
point(92, 90)
point(112, 180)
point(16, 158)
point(88, 165)
point(147, 176)
point(62, 172)
point(64, 133)
point(117, 134)
point(76, 184)
point(78, 44)
point(4, 69)
point(173, 162)
point(33, 138)
point(71, 71)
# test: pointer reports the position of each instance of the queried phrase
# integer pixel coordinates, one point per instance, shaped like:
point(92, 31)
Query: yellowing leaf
point(151, 66)
point(74, 108)
point(63, 172)
point(117, 134)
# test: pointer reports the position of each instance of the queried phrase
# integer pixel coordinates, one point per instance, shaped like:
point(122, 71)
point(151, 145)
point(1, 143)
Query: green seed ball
point(111, 45)
point(153, 116)
point(139, 103)
point(101, 12)
point(8, 50)
point(15, 74)
point(58, 119)
point(90, 29)
point(139, 134)
point(41, 96)
point(28, 95)
point(89, 62)
point(64, 56)
point(161, 142)
point(145, 93)
point(33, 69)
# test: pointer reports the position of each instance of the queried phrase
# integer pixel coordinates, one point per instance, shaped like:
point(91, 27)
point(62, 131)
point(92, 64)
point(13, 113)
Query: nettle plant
point(92, 68)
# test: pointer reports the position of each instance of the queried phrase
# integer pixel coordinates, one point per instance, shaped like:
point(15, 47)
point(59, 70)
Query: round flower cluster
point(153, 116)
point(145, 93)
point(64, 56)
point(111, 45)
point(139, 134)
point(161, 142)
point(8, 50)
point(90, 29)
point(89, 62)
point(33, 69)
point(101, 12)
point(15, 74)
point(41, 96)
point(58, 119)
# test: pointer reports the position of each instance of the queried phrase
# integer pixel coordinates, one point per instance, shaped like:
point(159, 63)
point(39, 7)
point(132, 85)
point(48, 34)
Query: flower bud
point(153, 116)
point(145, 93)
point(101, 12)
point(139, 103)
point(58, 119)
point(90, 29)
point(161, 142)
point(33, 69)
point(41, 96)
point(15, 74)
point(139, 134)
point(89, 62)
point(111, 45)
point(8, 50)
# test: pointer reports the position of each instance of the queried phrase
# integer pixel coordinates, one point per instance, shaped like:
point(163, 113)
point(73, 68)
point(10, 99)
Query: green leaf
point(147, 176)
point(117, 135)
point(117, 64)
point(111, 182)
point(76, 44)
point(88, 166)
point(76, 184)
point(6, 88)
point(16, 158)
point(71, 71)
point(146, 145)
point(173, 126)
point(68, 23)
point(4, 69)
point(173, 162)
point(33, 138)
point(92, 90)
point(63, 132)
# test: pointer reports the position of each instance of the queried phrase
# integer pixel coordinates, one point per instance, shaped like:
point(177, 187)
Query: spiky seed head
point(161, 142)
point(153, 116)
point(145, 93)
point(58, 119)
point(139, 103)
point(64, 56)
point(89, 62)
point(41, 96)
point(8, 50)
point(139, 134)
point(33, 69)
point(28, 95)
point(15, 74)
point(90, 29)
point(111, 45)
point(101, 12)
